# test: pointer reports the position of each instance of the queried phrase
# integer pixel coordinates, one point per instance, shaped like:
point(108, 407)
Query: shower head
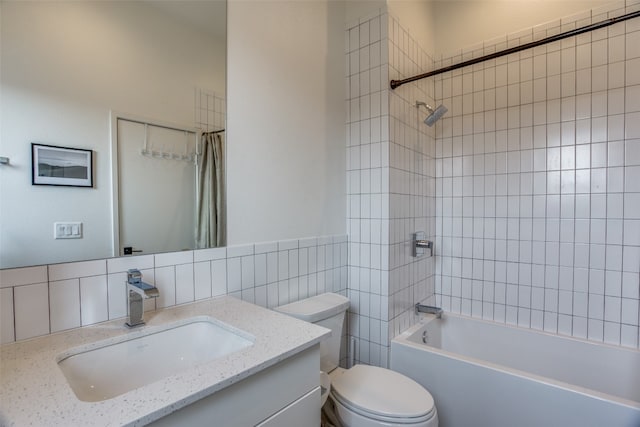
point(434, 115)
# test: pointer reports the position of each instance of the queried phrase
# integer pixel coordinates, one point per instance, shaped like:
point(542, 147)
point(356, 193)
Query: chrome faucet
point(429, 309)
point(419, 244)
point(138, 290)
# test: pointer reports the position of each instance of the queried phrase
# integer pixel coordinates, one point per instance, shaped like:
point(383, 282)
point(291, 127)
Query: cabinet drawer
point(254, 399)
point(304, 412)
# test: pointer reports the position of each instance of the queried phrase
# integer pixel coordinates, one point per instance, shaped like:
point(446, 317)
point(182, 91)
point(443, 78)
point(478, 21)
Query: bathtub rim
point(404, 339)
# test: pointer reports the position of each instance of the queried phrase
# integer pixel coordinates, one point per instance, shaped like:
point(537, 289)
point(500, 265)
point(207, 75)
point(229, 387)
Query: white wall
point(464, 23)
point(285, 120)
point(65, 65)
point(359, 9)
point(445, 26)
point(417, 17)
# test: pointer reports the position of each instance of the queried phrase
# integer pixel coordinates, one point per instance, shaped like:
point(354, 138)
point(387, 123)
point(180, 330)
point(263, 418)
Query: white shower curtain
point(211, 201)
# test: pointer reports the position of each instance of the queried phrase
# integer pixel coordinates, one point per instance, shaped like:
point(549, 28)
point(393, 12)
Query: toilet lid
point(382, 392)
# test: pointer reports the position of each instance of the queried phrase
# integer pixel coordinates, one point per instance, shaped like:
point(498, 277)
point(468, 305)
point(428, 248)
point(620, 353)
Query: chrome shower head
point(434, 115)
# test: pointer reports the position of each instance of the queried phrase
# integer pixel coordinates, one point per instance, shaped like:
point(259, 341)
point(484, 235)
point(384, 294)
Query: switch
point(67, 230)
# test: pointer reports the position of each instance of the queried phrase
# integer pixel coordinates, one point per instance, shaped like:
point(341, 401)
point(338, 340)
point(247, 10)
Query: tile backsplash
point(46, 299)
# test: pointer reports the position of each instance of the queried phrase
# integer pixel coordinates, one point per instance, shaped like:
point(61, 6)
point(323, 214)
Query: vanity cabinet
point(284, 395)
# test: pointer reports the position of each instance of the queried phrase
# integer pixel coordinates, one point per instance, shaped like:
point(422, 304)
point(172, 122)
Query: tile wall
point(390, 183)
point(210, 108)
point(538, 182)
point(46, 299)
point(412, 179)
point(368, 186)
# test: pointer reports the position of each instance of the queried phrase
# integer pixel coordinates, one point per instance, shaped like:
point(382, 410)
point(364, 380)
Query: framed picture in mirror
point(52, 165)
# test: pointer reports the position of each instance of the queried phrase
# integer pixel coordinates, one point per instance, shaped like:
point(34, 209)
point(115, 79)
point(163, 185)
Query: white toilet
point(364, 396)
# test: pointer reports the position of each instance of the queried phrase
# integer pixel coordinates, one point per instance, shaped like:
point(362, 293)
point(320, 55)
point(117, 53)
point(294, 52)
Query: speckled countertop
point(34, 392)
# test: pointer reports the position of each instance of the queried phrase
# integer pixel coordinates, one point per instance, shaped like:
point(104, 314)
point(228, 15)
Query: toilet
point(363, 396)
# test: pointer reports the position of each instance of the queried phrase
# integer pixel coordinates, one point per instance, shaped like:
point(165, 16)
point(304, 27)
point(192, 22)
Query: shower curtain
point(211, 198)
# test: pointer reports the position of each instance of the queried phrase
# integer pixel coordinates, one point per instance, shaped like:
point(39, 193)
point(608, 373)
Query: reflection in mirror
point(66, 68)
point(188, 166)
point(153, 221)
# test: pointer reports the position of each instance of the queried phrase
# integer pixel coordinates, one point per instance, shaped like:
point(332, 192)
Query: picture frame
point(62, 166)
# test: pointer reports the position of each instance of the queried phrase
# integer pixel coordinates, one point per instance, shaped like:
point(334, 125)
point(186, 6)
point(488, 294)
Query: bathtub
point(488, 374)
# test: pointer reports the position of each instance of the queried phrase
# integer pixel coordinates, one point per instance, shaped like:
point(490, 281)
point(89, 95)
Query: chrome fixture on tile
point(4, 160)
point(419, 244)
point(434, 115)
point(429, 309)
point(138, 291)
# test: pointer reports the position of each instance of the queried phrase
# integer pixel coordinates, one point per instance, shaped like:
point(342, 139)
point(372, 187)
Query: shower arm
point(425, 105)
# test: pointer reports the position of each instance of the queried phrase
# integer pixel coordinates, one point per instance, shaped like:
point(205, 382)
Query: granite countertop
point(33, 390)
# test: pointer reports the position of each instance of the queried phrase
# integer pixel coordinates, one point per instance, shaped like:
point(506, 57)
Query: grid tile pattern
point(411, 181)
point(390, 184)
point(537, 189)
point(50, 298)
point(368, 185)
point(210, 110)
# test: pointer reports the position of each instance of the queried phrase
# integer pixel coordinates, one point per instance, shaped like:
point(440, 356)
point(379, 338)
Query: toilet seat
point(383, 395)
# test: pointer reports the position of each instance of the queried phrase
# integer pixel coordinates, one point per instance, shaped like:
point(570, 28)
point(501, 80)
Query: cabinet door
point(304, 412)
point(257, 398)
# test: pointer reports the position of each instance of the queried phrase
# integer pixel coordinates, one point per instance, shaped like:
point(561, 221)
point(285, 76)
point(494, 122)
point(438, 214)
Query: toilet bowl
point(363, 396)
point(371, 396)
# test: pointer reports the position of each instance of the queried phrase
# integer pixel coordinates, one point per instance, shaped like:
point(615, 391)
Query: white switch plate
point(67, 230)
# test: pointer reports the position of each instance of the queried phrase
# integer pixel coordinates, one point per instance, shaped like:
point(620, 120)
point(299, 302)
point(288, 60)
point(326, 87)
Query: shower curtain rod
point(550, 39)
point(213, 132)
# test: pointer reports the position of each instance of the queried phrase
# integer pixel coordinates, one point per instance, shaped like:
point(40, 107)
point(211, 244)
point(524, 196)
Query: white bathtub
point(488, 374)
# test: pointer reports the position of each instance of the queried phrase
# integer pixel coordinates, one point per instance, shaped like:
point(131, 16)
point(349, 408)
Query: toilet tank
point(327, 310)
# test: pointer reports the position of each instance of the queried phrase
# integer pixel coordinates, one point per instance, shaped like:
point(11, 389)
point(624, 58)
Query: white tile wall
point(7, 329)
point(219, 277)
point(117, 295)
point(40, 300)
point(185, 285)
point(165, 281)
point(93, 299)
point(390, 183)
point(367, 176)
point(64, 304)
point(202, 280)
point(31, 310)
point(77, 269)
point(210, 110)
point(23, 276)
point(537, 195)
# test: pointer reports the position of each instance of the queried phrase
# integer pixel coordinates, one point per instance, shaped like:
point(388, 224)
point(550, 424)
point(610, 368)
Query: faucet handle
point(134, 276)
point(419, 244)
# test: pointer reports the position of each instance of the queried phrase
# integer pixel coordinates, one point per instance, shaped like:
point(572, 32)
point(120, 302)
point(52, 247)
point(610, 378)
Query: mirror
point(67, 69)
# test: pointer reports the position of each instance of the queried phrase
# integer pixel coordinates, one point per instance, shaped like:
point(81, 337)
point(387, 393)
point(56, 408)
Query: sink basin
point(108, 369)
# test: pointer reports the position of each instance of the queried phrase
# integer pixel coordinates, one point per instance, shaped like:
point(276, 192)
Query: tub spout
point(420, 308)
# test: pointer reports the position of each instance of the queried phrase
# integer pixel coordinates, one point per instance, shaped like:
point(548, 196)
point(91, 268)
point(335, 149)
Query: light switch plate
point(67, 230)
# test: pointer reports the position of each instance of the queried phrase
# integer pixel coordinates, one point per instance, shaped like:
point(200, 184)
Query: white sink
point(108, 369)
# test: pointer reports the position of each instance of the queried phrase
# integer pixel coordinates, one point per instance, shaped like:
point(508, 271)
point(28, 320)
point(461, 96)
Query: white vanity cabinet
point(273, 382)
point(284, 395)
